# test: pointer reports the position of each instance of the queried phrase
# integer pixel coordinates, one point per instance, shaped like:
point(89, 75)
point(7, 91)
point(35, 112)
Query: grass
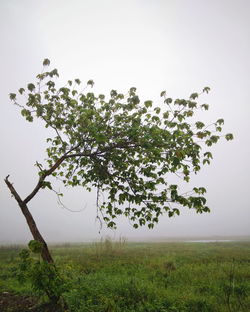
point(146, 277)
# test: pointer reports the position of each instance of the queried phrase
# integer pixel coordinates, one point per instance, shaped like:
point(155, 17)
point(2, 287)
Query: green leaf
point(157, 110)
point(46, 62)
point(208, 155)
point(206, 89)
point(176, 211)
point(91, 83)
point(209, 142)
point(135, 100)
point(168, 101)
point(193, 96)
point(53, 73)
point(220, 121)
point(166, 115)
point(35, 246)
point(31, 87)
point(229, 136)
point(205, 106)
point(12, 96)
point(214, 138)
point(111, 224)
point(206, 161)
point(148, 104)
point(47, 184)
point(21, 90)
point(132, 91)
point(78, 81)
point(201, 135)
point(199, 125)
point(170, 213)
point(24, 112)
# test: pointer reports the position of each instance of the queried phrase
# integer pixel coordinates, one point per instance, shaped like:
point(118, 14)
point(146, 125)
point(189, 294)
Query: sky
point(179, 46)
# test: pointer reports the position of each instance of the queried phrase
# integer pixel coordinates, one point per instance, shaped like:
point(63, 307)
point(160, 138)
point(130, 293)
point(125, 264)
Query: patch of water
point(209, 241)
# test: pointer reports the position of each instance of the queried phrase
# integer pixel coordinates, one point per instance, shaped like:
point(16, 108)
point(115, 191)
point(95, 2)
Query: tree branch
point(13, 191)
point(42, 178)
point(30, 221)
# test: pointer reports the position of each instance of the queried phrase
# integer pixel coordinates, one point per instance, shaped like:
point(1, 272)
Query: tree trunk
point(46, 256)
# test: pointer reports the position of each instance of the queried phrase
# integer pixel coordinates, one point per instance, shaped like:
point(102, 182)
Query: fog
point(177, 46)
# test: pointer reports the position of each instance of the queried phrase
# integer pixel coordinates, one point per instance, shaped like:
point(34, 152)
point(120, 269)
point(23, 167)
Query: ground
point(10, 302)
point(128, 277)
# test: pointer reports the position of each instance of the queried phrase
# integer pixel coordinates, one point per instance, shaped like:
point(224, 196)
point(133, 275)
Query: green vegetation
point(147, 277)
point(122, 147)
point(119, 145)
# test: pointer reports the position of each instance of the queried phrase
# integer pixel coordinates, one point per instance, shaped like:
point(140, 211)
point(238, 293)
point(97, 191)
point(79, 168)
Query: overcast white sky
point(174, 45)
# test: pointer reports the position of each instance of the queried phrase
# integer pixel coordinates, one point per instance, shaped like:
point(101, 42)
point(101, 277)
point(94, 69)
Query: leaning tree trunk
point(46, 256)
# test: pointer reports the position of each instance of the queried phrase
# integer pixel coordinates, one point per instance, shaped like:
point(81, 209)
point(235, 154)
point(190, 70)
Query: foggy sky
point(154, 45)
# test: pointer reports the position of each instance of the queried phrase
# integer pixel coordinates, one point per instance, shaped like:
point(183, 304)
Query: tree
point(120, 146)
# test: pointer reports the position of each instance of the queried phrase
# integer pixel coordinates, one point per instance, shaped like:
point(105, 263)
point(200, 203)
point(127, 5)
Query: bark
point(30, 221)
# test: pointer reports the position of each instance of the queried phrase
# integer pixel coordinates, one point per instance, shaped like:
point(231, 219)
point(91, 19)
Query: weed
point(144, 277)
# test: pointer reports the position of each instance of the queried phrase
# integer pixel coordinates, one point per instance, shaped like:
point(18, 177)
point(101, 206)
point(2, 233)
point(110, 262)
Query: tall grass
point(118, 276)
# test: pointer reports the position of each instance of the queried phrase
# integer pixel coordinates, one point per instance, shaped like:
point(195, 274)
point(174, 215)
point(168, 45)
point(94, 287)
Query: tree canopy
point(125, 148)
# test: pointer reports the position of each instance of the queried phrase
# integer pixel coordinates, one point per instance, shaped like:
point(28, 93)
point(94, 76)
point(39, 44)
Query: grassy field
point(145, 277)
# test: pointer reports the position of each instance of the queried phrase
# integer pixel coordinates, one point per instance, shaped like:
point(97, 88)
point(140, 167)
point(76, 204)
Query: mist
point(177, 46)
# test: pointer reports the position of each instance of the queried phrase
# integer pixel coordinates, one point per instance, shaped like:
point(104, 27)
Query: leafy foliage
point(123, 147)
point(44, 276)
point(35, 246)
point(145, 277)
